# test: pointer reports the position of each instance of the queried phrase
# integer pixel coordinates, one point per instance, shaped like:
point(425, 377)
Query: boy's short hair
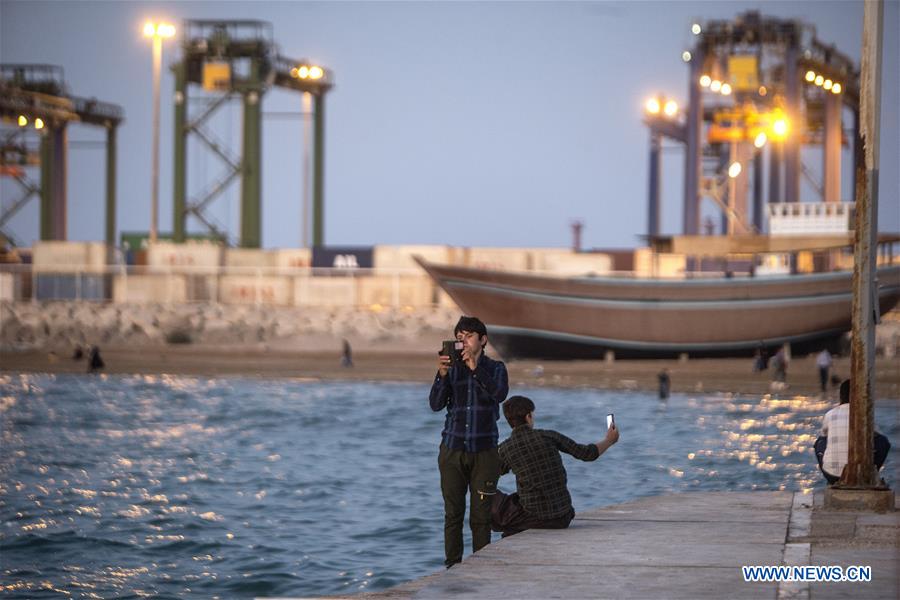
point(845, 391)
point(515, 410)
point(472, 324)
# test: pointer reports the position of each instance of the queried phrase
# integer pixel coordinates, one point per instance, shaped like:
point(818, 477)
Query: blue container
point(70, 287)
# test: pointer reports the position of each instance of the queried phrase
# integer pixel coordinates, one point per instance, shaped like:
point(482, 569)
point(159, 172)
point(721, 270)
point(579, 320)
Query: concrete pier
point(679, 546)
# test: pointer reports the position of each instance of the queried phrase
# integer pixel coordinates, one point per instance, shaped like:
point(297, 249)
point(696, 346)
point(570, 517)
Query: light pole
point(157, 31)
point(307, 128)
point(662, 118)
point(313, 111)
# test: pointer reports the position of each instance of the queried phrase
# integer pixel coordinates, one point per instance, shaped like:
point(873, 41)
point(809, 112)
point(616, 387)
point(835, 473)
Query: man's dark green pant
point(477, 473)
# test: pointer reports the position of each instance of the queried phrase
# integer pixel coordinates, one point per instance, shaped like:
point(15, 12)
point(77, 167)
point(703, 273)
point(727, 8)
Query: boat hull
point(547, 317)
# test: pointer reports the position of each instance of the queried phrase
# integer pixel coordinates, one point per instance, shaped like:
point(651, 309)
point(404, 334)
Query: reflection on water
point(241, 487)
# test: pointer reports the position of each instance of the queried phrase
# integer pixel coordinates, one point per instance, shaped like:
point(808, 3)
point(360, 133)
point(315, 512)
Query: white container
point(568, 263)
point(188, 257)
point(144, 289)
point(9, 287)
point(325, 291)
point(248, 258)
point(292, 258)
point(662, 265)
point(396, 290)
point(500, 259)
point(249, 289)
point(793, 218)
point(401, 257)
point(69, 257)
point(97, 257)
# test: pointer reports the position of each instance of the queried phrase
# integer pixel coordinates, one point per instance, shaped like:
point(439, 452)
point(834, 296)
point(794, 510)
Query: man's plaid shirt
point(533, 456)
point(472, 400)
point(837, 428)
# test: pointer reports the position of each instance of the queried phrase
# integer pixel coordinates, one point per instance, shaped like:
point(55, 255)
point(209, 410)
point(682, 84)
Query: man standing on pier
point(470, 388)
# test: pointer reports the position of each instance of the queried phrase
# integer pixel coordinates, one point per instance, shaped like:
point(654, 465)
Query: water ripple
point(229, 487)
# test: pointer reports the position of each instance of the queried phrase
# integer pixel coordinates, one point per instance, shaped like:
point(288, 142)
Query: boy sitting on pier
point(542, 500)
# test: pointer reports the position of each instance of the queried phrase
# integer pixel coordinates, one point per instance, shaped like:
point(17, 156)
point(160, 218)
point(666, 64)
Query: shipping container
point(322, 291)
point(70, 287)
point(190, 256)
point(248, 289)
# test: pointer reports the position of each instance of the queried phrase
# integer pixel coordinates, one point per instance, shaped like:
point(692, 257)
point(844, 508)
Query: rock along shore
point(61, 326)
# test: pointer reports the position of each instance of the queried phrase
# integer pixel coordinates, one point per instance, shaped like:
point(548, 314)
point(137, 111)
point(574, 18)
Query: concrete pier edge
point(686, 545)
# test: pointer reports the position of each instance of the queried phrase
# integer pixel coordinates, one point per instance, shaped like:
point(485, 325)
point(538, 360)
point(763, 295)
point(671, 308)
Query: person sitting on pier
point(542, 500)
point(833, 445)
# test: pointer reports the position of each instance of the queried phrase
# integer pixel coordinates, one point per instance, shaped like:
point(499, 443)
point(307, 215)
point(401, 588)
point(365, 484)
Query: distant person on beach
point(542, 499)
point(347, 356)
point(471, 390)
point(832, 447)
point(823, 363)
point(95, 362)
point(78, 354)
point(664, 384)
point(779, 366)
point(760, 358)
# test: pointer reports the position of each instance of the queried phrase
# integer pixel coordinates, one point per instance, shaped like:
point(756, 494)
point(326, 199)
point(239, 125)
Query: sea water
point(130, 486)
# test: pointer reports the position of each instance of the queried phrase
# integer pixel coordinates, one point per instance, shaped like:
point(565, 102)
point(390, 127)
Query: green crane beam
point(239, 57)
point(111, 186)
point(251, 226)
point(319, 171)
point(179, 194)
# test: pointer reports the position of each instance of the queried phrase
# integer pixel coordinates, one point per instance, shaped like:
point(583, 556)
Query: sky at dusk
point(463, 123)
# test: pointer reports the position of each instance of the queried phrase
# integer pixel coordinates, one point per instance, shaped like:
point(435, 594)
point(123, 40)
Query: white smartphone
point(610, 420)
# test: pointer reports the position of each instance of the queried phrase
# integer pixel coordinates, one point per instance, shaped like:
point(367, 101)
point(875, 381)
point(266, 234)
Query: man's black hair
point(845, 391)
point(472, 324)
point(515, 410)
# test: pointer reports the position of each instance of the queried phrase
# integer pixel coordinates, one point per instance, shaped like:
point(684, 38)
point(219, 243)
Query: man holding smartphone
point(470, 386)
point(542, 500)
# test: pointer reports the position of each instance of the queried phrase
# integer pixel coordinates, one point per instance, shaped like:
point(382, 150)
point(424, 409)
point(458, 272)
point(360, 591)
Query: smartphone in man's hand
point(453, 349)
point(610, 420)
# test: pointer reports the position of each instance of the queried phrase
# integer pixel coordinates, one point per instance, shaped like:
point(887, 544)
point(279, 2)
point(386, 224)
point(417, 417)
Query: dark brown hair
point(516, 409)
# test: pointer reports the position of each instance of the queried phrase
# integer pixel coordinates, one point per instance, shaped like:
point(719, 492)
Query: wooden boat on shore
point(541, 316)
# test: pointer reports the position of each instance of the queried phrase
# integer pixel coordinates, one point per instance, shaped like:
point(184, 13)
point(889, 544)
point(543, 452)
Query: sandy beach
point(412, 363)
point(389, 344)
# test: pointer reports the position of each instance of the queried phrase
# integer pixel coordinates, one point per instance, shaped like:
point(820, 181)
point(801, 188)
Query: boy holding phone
point(470, 387)
point(542, 500)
